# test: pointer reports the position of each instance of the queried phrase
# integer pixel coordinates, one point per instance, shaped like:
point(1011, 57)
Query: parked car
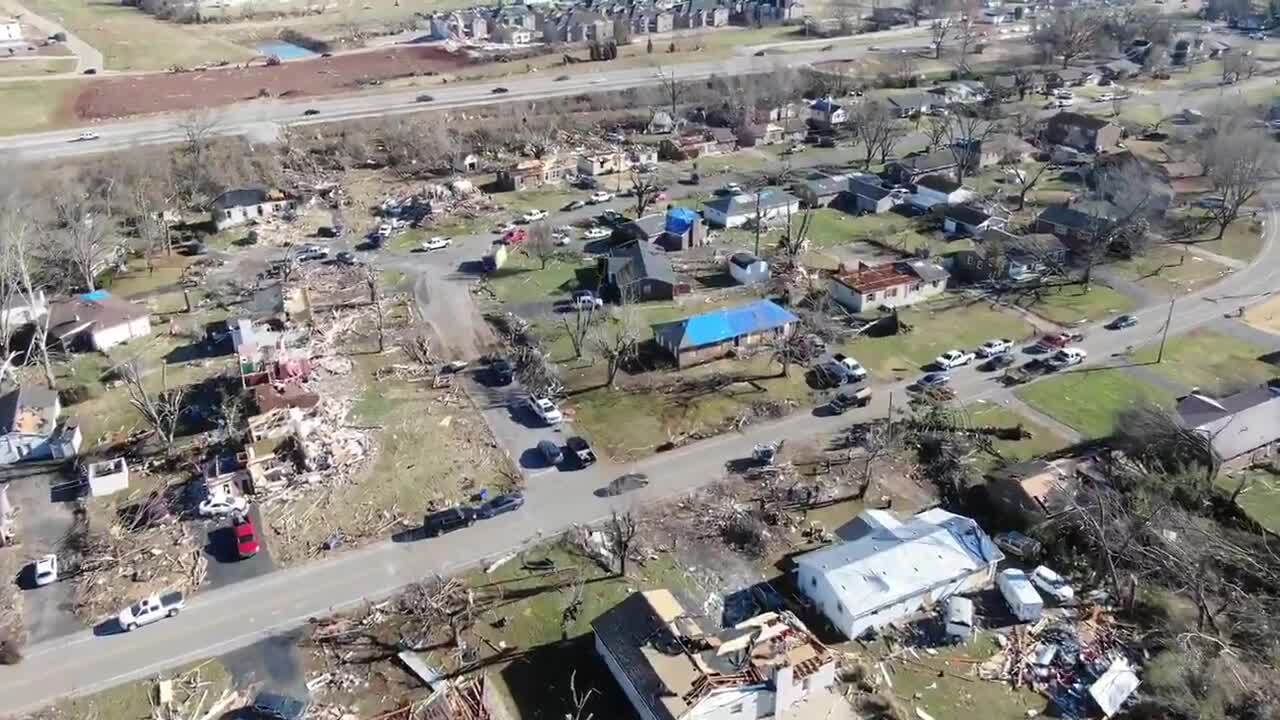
point(45, 570)
point(613, 218)
point(219, 504)
point(999, 362)
point(436, 243)
point(731, 188)
point(346, 257)
point(998, 346)
point(574, 205)
point(586, 300)
point(439, 523)
point(1067, 357)
point(615, 136)
point(246, 536)
point(312, 252)
point(580, 452)
point(550, 452)
point(514, 237)
point(953, 359)
point(544, 409)
point(87, 135)
point(934, 380)
point(846, 399)
point(1018, 545)
point(560, 238)
point(500, 505)
point(1054, 585)
point(1058, 341)
point(534, 216)
point(1122, 322)
point(280, 707)
point(595, 232)
point(501, 371)
point(599, 196)
point(841, 369)
point(424, 98)
point(151, 609)
point(499, 90)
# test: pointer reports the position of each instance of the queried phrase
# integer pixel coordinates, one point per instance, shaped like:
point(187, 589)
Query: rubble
point(188, 697)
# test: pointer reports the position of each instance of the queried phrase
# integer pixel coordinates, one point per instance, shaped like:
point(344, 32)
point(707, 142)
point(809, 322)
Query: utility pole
point(758, 222)
point(1165, 335)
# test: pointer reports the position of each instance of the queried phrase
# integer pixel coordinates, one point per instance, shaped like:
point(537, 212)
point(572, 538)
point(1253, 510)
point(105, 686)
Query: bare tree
point(583, 319)
point(621, 531)
point(966, 130)
point(618, 339)
point(1072, 32)
point(877, 129)
point(903, 67)
point(1026, 177)
point(1023, 80)
point(1237, 164)
point(161, 409)
point(672, 90)
point(1239, 64)
point(76, 231)
point(645, 187)
point(939, 31)
point(540, 246)
point(578, 700)
point(192, 162)
point(17, 239)
point(935, 129)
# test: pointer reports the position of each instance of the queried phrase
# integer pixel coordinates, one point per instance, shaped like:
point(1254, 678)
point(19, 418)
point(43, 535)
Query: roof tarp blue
point(95, 296)
point(720, 325)
point(679, 220)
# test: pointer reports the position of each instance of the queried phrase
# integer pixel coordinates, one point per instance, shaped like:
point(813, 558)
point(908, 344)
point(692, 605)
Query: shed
point(747, 269)
point(108, 477)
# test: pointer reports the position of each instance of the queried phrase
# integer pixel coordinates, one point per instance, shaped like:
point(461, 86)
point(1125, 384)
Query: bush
point(10, 652)
point(76, 394)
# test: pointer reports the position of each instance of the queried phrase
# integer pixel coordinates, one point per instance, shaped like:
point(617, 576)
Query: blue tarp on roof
point(679, 220)
point(720, 325)
point(95, 296)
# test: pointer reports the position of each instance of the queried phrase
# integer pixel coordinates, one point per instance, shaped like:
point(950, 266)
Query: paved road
point(240, 614)
point(262, 119)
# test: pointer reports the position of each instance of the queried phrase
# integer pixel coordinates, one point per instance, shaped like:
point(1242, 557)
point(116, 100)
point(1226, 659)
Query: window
point(840, 608)
point(891, 292)
point(871, 297)
point(813, 581)
point(736, 709)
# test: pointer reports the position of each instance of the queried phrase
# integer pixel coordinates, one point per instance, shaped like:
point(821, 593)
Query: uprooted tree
point(162, 408)
point(622, 530)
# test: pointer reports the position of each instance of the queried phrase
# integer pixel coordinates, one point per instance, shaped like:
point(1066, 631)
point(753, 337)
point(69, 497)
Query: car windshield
point(246, 536)
point(135, 609)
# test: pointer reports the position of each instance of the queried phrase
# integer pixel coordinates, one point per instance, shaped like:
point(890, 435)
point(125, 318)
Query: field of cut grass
point(34, 68)
point(1170, 270)
point(32, 105)
point(1214, 362)
point(1042, 440)
point(1242, 240)
point(1070, 305)
point(524, 280)
point(1260, 498)
point(1090, 401)
point(938, 326)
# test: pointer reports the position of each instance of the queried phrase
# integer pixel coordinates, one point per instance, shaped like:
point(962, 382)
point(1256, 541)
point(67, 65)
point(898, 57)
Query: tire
point(171, 613)
point(130, 627)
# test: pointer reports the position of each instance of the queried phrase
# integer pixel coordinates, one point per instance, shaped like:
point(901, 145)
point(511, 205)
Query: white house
point(731, 211)
point(19, 312)
point(747, 269)
point(826, 112)
point(888, 570)
point(895, 284)
point(97, 320)
point(938, 190)
point(10, 29)
point(29, 423)
point(237, 207)
point(670, 668)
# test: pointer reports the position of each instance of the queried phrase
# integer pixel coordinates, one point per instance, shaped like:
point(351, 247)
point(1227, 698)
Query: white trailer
point(1020, 594)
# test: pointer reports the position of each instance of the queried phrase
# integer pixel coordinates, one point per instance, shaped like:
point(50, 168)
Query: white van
point(1020, 595)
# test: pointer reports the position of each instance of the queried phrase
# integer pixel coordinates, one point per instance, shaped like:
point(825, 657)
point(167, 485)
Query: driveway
point(45, 510)
point(514, 425)
point(225, 565)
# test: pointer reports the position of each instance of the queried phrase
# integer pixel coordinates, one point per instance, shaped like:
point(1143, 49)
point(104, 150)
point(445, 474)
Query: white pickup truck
point(844, 369)
point(150, 609)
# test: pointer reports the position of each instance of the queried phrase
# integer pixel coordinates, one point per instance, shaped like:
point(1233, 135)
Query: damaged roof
point(29, 410)
point(725, 324)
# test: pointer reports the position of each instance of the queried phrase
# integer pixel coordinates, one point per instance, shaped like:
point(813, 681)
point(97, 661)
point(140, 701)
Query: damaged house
point(97, 321)
point(720, 333)
point(887, 569)
point(1236, 424)
point(238, 207)
point(670, 668)
point(29, 416)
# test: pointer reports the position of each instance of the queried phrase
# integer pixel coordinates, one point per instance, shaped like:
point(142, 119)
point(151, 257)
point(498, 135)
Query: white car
point(600, 196)
point(312, 252)
point(45, 570)
point(998, 346)
point(1052, 584)
point(545, 410)
point(87, 135)
point(731, 188)
point(221, 504)
point(587, 300)
point(597, 232)
point(384, 230)
point(1066, 357)
point(436, 243)
point(561, 238)
point(534, 215)
point(953, 359)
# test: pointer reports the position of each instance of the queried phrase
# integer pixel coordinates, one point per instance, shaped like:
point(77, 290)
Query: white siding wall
point(10, 31)
point(846, 297)
point(107, 338)
point(642, 709)
point(748, 703)
point(757, 272)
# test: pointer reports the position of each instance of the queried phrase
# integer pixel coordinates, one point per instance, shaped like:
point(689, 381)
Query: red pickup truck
point(1059, 341)
point(514, 237)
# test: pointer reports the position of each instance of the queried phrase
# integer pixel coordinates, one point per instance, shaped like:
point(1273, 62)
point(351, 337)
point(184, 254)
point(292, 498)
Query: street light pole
point(1165, 335)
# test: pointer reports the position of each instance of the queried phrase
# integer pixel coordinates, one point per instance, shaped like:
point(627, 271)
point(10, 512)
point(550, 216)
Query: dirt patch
point(134, 95)
point(1265, 316)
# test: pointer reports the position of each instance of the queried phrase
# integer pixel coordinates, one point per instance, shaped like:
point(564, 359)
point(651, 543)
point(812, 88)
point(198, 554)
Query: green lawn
point(1214, 362)
point(130, 39)
point(938, 326)
point(549, 198)
point(1090, 400)
point(1260, 499)
point(1171, 270)
point(625, 425)
point(1242, 240)
point(138, 280)
point(942, 685)
point(832, 228)
point(1042, 440)
point(36, 105)
point(32, 67)
point(523, 279)
point(135, 700)
point(1068, 305)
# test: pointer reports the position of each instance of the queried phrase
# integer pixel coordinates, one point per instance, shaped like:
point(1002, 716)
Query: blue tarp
point(679, 220)
point(720, 325)
point(95, 296)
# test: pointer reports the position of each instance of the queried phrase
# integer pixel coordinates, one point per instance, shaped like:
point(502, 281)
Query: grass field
point(832, 228)
point(32, 105)
point(1265, 316)
point(1042, 440)
point(1242, 240)
point(137, 280)
point(1260, 499)
point(936, 327)
point(24, 68)
point(523, 279)
point(1071, 304)
point(1214, 362)
point(130, 39)
point(1170, 270)
point(1090, 400)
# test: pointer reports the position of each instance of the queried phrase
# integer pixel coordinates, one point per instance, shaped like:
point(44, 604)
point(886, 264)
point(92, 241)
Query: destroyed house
point(29, 418)
point(887, 570)
point(671, 668)
point(1236, 424)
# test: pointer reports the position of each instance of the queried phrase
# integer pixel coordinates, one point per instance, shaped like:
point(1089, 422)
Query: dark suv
point(279, 707)
point(439, 523)
point(502, 371)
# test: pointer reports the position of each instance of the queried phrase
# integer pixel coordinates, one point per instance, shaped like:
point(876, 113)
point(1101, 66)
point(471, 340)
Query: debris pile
point(190, 697)
point(458, 198)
